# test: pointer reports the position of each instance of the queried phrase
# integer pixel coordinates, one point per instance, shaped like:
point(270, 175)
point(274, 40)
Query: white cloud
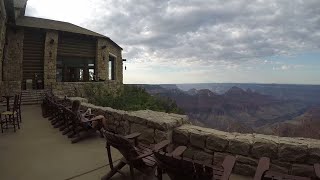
point(195, 33)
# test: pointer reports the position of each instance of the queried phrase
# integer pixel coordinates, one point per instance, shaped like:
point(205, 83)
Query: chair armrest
point(161, 145)
point(133, 135)
point(263, 166)
point(317, 170)
point(89, 116)
point(227, 165)
point(178, 151)
point(146, 154)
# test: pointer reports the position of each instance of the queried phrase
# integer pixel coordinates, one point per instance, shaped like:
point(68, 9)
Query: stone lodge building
point(38, 53)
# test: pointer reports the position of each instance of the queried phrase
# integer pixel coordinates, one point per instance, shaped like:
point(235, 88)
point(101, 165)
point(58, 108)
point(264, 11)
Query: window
point(112, 61)
point(75, 69)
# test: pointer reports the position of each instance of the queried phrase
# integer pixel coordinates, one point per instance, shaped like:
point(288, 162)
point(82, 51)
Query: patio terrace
point(38, 151)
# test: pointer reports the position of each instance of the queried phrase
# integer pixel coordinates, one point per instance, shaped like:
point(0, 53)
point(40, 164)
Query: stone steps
point(32, 96)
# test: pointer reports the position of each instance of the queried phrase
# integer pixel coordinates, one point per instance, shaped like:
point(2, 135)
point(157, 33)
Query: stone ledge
point(282, 150)
point(286, 153)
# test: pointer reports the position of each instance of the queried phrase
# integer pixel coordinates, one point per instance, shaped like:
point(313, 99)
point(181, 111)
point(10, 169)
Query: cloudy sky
point(195, 41)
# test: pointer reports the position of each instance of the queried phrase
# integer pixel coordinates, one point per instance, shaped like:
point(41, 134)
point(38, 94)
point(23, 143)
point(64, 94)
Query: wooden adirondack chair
point(135, 154)
point(178, 167)
point(78, 130)
point(317, 170)
point(264, 173)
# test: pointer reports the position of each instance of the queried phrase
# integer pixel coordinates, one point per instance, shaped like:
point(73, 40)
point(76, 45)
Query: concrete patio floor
point(38, 151)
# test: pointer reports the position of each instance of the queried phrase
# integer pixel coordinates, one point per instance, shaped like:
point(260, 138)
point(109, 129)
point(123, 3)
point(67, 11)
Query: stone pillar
point(2, 38)
point(115, 50)
point(102, 59)
point(12, 65)
point(50, 58)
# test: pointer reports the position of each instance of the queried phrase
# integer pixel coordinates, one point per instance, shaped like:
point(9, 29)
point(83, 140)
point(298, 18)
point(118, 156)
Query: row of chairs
point(166, 159)
point(11, 118)
point(60, 115)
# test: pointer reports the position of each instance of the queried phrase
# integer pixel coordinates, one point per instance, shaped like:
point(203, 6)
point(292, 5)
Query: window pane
point(73, 69)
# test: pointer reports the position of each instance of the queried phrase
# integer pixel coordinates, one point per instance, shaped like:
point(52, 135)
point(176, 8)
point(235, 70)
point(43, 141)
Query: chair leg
point(11, 118)
point(131, 172)
point(114, 170)
point(20, 115)
point(159, 173)
point(18, 122)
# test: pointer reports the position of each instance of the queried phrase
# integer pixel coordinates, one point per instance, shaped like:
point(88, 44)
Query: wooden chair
point(79, 130)
point(135, 154)
point(264, 173)
point(19, 107)
point(178, 167)
point(317, 170)
point(10, 117)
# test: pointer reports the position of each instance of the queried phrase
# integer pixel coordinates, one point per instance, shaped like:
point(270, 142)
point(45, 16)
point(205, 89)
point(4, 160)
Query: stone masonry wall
point(153, 126)
point(78, 88)
point(10, 87)
point(102, 59)
point(119, 64)
point(288, 155)
point(12, 64)
point(50, 58)
point(3, 26)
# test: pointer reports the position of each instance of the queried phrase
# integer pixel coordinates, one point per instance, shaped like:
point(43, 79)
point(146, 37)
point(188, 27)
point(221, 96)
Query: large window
point(112, 66)
point(75, 69)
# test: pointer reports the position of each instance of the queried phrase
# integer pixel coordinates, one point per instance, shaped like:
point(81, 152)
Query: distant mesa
point(206, 92)
point(235, 91)
point(192, 91)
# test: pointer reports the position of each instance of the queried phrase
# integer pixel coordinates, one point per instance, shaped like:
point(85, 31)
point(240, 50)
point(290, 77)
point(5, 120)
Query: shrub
point(130, 98)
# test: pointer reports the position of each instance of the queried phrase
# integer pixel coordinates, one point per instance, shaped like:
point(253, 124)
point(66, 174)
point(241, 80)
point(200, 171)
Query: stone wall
point(78, 88)
point(50, 58)
point(102, 59)
point(288, 155)
point(3, 19)
point(114, 50)
point(12, 64)
point(153, 126)
point(10, 87)
point(104, 48)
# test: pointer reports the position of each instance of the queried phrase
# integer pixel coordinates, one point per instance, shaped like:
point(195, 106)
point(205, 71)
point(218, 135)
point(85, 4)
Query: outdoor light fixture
point(51, 41)
point(103, 47)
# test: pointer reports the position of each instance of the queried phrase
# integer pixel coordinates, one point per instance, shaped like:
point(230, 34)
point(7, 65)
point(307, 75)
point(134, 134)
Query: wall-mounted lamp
point(125, 67)
point(51, 41)
point(50, 54)
point(103, 47)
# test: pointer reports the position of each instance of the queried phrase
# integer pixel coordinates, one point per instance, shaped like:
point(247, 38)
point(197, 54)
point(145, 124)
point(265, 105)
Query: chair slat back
point(183, 168)
point(126, 148)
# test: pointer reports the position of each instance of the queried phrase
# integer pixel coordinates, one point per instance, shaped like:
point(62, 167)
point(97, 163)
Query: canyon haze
point(277, 109)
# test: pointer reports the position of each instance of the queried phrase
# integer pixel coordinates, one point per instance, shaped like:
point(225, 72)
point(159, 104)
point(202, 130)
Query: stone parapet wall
point(153, 126)
point(78, 88)
point(288, 155)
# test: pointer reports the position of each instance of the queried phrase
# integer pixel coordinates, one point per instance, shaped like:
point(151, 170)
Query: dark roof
point(34, 22)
